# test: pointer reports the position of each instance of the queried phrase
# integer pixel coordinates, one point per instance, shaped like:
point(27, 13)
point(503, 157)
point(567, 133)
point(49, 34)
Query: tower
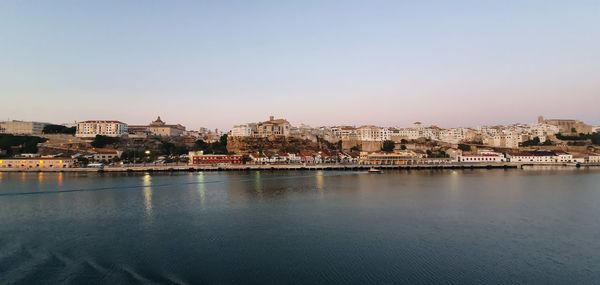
point(540, 119)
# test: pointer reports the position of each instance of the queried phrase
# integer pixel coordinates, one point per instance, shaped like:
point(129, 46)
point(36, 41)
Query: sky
point(219, 63)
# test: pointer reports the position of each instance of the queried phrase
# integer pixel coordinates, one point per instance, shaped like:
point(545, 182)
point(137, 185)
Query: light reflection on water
point(147, 186)
point(201, 188)
point(40, 177)
point(59, 179)
point(258, 187)
point(320, 180)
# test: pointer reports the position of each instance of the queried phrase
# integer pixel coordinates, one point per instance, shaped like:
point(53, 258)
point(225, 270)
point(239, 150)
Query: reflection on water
point(147, 183)
point(258, 186)
point(320, 180)
point(400, 227)
point(201, 188)
point(59, 178)
point(40, 177)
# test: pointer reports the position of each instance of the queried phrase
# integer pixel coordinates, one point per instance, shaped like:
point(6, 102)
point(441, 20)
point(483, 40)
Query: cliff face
point(260, 145)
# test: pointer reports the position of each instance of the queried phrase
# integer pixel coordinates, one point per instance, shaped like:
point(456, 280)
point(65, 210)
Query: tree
point(464, 147)
point(59, 129)
point(388, 146)
point(532, 142)
point(246, 158)
point(102, 141)
point(218, 147)
point(403, 147)
point(25, 144)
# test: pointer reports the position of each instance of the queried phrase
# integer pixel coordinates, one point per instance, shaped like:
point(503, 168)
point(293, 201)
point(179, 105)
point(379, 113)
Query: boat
point(375, 170)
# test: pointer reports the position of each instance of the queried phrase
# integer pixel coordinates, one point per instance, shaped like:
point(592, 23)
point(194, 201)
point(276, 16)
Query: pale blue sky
point(218, 63)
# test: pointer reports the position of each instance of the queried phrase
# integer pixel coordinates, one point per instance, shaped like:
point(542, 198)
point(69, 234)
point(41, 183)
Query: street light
point(147, 152)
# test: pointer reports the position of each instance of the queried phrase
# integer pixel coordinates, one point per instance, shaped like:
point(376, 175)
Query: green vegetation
point(218, 147)
point(536, 142)
point(388, 146)
point(594, 137)
point(169, 148)
point(246, 158)
point(19, 144)
point(102, 141)
point(130, 154)
point(58, 129)
point(464, 147)
point(437, 154)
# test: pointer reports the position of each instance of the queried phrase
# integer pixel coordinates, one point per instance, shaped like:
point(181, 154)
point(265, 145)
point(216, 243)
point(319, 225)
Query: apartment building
point(22, 127)
point(89, 129)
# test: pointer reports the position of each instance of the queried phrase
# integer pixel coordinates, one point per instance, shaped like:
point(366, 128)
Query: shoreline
point(287, 167)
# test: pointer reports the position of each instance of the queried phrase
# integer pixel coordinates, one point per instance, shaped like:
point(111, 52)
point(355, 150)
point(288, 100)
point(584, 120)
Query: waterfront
point(303, 227)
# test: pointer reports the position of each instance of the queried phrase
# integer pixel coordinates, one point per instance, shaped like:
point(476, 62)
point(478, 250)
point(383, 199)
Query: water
point(453, 227)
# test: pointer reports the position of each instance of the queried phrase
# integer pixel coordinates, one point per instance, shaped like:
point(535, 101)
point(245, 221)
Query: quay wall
point(349, 167)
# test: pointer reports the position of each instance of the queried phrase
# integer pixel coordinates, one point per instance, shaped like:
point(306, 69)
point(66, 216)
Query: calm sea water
point(452, 227)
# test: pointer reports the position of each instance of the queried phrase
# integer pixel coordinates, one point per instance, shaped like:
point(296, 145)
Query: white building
point(539, 156)
point(593, 158)
point(245, 130)
point(89, 129)
point(373, 133)
point(105, 155)
point(482, 156)
point(506, 140)
point(22, 127)
point(345, 132)
point(454, 135)
point(543, 131)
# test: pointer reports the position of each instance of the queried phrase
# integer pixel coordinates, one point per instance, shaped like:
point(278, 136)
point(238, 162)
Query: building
point(482, 156)
point(454, 135)
point(38, 163)
point(92, 128)
point(506, 140)
point(199, 158)
point(345, 133)
point(273, 128)
point(22, 127)
point(157, 128)
point(245, 130)
point(394, 158)
point(567, 126)
point(593, 158)
point(106, 154)
point(373, 133)
point(540, 156)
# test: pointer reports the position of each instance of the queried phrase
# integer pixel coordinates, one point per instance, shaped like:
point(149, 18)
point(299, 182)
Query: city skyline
point(424, 124)
point(215, 65)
